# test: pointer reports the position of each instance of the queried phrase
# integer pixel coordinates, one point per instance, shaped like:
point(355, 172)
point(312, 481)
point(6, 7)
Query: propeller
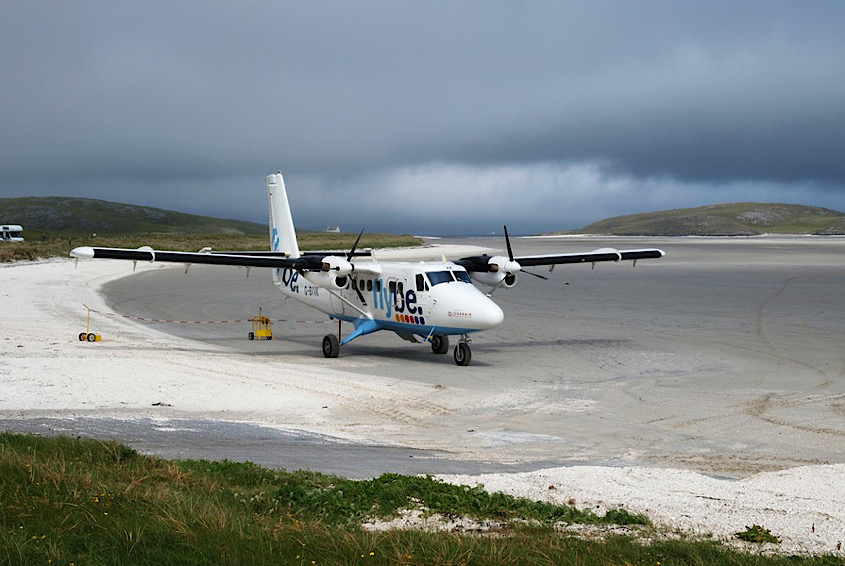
point(510, 257)
point(349, 257)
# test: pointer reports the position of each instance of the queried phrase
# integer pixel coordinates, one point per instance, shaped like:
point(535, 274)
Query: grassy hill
point(735, 219)
point(54, 225)
point(83, 215)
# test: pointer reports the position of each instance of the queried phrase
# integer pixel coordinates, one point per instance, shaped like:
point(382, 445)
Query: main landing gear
point(439, 345)
point(331, 346)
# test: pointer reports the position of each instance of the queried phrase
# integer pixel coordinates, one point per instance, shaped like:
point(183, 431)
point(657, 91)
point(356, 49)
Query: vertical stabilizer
point(282, 234)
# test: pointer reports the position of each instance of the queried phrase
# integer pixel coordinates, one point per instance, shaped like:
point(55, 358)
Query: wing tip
point(82, 252)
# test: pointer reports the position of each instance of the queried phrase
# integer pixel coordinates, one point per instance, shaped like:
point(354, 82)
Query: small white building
point(332, 229)
point(11, 233)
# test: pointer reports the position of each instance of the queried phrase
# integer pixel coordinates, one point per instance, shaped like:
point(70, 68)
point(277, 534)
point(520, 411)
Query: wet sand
point(723, 357)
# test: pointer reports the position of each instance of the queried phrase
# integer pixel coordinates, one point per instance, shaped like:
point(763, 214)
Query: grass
point(59, 244)
point(73, 502)
point(758, 534)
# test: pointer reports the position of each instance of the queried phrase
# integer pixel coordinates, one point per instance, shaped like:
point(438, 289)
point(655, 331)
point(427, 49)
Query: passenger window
point(420, 282)
point(400, 288)
point(391, 286)
point(378, 285)
point(362, 284)
point(369, 284)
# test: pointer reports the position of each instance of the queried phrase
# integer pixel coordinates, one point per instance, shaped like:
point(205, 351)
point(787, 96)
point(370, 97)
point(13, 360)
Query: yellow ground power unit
point(262, 327)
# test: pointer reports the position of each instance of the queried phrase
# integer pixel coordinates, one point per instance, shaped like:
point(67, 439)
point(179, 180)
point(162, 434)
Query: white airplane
point(416, 300)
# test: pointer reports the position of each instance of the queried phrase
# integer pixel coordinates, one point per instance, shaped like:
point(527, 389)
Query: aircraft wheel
point(439, 344)
point(331, 347)
point(82, 336)
point(462, 354)
point(92, 337)
point(251, 336)
point(269, 338)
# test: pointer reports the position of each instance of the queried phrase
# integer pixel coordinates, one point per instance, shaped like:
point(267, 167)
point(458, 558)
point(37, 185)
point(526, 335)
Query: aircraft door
point(423, 297)
point(337, 305)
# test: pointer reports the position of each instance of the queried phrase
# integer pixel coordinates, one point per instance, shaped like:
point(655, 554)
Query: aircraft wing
point(367, 252)
point(244, 259)
point(605, 254)
point(482, 263)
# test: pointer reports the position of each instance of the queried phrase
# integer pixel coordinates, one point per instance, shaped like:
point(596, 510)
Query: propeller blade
point(508, 243)
point(358, 290)
point(354, 246)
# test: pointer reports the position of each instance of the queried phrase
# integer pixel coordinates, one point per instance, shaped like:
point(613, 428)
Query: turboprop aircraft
point(423, 300)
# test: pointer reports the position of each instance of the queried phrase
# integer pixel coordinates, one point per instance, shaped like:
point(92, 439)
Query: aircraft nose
point(488, 315)
point(463, 305)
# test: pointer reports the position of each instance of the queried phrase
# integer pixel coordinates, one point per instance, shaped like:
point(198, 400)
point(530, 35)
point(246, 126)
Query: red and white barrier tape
point(236, 321)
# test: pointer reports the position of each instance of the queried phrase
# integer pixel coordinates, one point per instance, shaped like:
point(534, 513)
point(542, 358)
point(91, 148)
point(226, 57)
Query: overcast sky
point(425, 117)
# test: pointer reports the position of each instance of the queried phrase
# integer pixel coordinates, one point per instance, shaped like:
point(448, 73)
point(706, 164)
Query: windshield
point(438, 277)
point(462, 276)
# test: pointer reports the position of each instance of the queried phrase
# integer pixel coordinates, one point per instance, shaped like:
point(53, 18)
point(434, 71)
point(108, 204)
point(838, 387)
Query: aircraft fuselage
point(423, 298)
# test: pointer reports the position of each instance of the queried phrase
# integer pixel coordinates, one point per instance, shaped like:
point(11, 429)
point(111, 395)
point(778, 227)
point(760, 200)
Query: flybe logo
point(402, 303)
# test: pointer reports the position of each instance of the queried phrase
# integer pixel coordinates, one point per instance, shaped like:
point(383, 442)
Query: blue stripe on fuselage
point(419, 329)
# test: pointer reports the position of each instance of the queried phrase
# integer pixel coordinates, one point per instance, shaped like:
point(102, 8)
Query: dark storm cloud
point(425, 115)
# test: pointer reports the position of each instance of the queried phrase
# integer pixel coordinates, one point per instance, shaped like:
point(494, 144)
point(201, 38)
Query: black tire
point(92, 337)
point(331, 347)
point(439, 344)
point(82, 336)
point(270, 337)
point(462, 354)
point(252, 336)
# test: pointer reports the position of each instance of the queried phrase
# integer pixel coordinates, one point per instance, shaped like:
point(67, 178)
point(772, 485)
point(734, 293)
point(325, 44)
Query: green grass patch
point(758, 534)
point(88, 502)
point(339, 501)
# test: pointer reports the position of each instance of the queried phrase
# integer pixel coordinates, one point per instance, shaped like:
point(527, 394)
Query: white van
point(11, 233)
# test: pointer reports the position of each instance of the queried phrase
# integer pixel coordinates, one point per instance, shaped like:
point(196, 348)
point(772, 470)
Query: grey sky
point(448, 117)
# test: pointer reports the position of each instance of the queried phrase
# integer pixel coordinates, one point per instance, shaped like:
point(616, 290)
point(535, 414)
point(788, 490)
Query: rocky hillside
point(82, 215)
point(736, 219)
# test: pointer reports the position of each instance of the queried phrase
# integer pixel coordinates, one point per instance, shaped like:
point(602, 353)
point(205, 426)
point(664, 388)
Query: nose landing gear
point(463, 354)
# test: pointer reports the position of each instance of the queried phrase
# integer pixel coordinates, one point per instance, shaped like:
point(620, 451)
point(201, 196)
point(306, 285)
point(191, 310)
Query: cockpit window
point(462, 276)
point(438, 277)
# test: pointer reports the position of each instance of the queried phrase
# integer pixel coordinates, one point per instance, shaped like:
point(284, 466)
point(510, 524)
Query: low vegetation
point(758, 534)
point(73, 502)
point(59, 244)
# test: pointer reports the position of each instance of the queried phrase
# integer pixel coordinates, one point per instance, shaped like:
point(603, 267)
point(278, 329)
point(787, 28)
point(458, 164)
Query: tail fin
point(282, 234)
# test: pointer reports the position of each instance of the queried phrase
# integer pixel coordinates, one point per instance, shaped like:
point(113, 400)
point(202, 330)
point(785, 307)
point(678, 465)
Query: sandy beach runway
point(722, 360)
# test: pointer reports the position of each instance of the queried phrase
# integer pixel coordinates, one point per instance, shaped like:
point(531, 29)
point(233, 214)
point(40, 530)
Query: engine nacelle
point(338, 265)
point(494, 279)
point(327, 279)
point(501, 263)
point(502, 272)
